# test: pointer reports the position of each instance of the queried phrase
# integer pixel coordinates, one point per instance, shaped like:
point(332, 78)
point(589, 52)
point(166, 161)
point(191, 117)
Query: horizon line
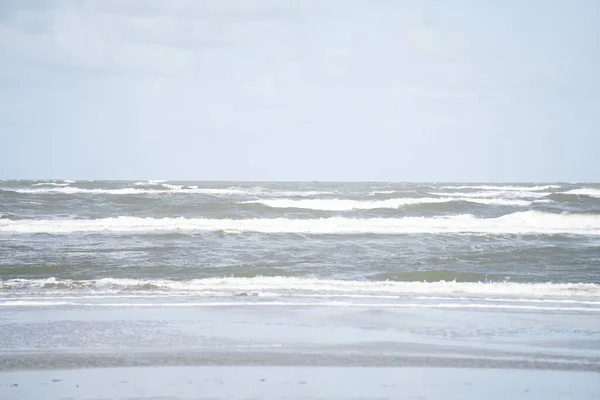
point(300, 181)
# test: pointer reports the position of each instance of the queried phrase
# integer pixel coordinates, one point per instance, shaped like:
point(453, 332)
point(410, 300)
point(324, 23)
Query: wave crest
point(165, 188)
point(526, 222)
point(591, 192)
point(504, 188)
point(294, 286)
point(349, 205)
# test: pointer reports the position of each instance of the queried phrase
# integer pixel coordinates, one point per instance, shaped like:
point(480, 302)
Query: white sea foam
point(257, 191)
point(293, 287)
point(34, 303)
point(148, 183)
point(172, 187)
point(224, 191)
point(161, 184)
point(500, 202)
point(504, 188)
point(154, 304)
point(299, 192)
point(591, 192)
point(138, 190)
point(506, 194)
point(39, 295)
point(526, 222)
point(384, 191)
point(50, 184)
point(130, 190)
point(344, 204)
point(75, 190)
point(167, 188)
point(347, 205)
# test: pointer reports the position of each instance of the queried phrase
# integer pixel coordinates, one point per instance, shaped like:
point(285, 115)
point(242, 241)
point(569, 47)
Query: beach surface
point(247, 351)
point(297, 383)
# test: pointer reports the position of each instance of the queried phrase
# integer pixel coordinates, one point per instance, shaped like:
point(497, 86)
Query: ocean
point(99, 272)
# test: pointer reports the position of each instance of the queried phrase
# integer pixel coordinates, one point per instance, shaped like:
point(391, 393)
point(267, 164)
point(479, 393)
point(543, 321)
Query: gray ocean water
point(219, 241)
point(332, 274)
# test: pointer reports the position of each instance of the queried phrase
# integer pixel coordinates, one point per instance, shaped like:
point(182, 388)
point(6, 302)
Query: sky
point(328, 90)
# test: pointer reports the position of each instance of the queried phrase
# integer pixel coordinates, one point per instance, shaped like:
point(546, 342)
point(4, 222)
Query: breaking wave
point(294, 286)
point(510, 194)
point(526, 222)
point(348, 205)
point(149, 183)
point(591, 192)
point(501, 188)
point(164, 188)
point(51, 184)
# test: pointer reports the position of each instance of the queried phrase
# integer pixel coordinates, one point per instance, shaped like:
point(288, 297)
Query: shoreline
point(32, 361)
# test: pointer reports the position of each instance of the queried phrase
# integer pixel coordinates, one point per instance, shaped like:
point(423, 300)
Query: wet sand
point(296, 352)
point(298, 383)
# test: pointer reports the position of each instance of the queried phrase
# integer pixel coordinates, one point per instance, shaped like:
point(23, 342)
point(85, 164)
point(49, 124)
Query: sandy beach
point(298, 383)
point(244, 352)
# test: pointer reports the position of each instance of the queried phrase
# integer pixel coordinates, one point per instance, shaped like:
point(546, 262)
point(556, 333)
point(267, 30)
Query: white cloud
point(76, 37)
point(176, 37)
point(274, 76)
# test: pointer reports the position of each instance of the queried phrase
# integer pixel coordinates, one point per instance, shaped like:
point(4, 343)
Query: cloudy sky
point(300, 90)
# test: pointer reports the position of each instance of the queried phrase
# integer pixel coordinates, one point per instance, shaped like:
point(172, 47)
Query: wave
point(162, 185)
point(149, 183)
point(51, 184)
point(292, 286)
point(383, 192)
point(187, 304)
point(504, 188)
point(75, 190)
point(348, 205)
point(164, 188)
point(494, 194)
point(526, 222)
point(591, 192)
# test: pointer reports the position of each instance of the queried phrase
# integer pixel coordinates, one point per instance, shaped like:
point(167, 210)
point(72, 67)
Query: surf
point(524, 222)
